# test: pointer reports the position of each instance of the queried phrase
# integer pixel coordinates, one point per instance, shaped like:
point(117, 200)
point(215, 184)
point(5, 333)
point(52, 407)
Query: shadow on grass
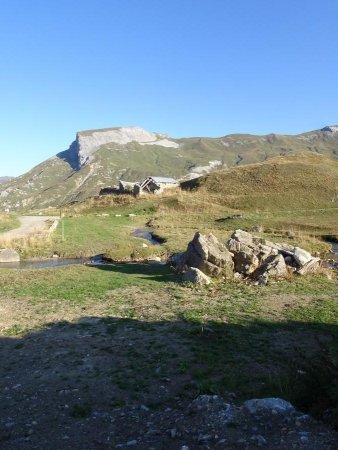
point(156, 272)
point(81, 371)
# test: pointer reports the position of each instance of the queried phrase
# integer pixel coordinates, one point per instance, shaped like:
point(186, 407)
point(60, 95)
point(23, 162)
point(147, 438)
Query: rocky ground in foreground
point(58, 391)
point(206, 423)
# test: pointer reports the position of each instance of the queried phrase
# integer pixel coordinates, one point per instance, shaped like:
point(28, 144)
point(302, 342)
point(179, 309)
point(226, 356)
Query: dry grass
point(8, 222)
point(299, 181)
point(29, 244)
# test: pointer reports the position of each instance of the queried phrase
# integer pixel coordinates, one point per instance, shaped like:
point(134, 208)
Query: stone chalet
point(154, 185)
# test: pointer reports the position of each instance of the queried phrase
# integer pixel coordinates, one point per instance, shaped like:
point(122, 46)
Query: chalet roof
point(163, 180)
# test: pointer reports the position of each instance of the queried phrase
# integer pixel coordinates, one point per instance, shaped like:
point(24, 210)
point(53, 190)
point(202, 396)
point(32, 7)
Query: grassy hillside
point(294, 197)
point(298, 181)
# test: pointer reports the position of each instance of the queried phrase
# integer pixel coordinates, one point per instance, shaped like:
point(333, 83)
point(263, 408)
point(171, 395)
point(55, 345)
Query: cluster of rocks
point(243, 256)
point(260, 258)
point(270, 423)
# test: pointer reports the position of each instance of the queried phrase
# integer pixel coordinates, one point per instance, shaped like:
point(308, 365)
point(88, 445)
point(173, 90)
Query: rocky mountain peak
point(88, 142)
point(331, 129)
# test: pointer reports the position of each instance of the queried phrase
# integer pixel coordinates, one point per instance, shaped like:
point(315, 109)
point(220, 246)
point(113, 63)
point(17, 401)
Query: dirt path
point(29, 225)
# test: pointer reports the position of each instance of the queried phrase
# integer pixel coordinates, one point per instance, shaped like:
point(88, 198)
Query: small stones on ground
point(173, 433)
point(259, 439)
point(10, 424)
point(204, 437)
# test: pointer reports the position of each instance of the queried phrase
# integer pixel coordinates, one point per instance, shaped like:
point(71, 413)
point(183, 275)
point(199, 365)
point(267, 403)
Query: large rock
point(8, 255)
point(312, 266)
point(301, 256)
point(207, 254)
point(196, 276)
point(249, 251)
point(268, 404)
point(274, 266)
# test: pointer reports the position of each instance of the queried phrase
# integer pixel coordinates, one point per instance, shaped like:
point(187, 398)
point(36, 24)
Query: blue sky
point(182, 67)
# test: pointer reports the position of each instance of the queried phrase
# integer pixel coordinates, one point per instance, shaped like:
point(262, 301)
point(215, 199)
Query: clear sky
point(182, 67)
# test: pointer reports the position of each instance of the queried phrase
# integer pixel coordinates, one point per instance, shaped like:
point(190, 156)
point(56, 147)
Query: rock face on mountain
point(88, 142)
point(331, 129)
point(97, 159)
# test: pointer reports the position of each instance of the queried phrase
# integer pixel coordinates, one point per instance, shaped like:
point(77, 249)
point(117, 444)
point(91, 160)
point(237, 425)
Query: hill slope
point(304, 180)
point(99, 158)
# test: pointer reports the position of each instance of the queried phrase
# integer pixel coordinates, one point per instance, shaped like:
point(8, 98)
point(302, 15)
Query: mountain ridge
point(99, 158)
point(5, 179)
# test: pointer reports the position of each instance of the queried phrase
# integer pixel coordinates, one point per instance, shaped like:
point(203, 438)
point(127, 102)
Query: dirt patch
point(276, 305)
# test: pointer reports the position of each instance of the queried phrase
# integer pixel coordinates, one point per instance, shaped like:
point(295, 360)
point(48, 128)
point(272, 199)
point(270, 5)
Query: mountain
point(5, 179)
point(99, 158)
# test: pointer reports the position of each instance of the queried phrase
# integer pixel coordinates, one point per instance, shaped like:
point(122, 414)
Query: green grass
point(79, 283)
point(97, 231)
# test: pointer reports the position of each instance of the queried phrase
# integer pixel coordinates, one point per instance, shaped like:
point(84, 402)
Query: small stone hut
point(154, 185)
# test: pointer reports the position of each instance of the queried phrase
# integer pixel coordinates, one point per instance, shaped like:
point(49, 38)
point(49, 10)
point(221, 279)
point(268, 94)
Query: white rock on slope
point(90, 141)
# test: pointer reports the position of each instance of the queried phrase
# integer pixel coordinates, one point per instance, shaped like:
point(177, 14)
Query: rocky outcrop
point(8, 255)
point(249, 252)
point(243, 256)
point(88, 142)
point(260, 258)
point(207, 254)
point(331, 129)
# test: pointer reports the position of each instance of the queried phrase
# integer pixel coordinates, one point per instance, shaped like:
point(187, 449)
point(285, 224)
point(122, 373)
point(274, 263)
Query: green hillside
point(304, 180)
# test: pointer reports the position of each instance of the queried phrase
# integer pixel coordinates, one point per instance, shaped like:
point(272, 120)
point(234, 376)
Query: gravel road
point(29, 225)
